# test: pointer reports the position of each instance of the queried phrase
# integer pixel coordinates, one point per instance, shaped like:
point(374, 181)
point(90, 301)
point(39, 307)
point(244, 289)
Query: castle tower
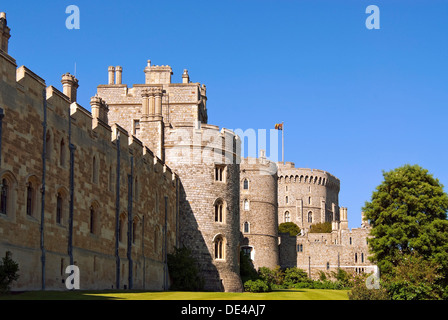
point(259, 211)
point(171, 119)
point(5, 33)
point(307, 196)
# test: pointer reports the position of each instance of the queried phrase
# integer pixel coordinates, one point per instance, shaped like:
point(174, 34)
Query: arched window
point(309, 200)
point(362, 257)
point(59, 208)
point(356, 257)
point(286, 200)
point(246, 227)
point(219, 248)
point(4, 197)
point(219, 211)
point(246, 205)
point(287, 216)
point(246, 184)
point(328, 265)
point(30, 199)
point(310, 217)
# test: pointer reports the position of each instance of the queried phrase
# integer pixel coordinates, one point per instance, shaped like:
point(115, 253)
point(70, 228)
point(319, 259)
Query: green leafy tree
point(321, 227)
point(8, 273)
point(408, 214)
point(289, 227)
point(183, 271)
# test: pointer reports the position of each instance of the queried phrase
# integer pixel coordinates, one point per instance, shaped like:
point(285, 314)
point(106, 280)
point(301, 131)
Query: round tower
point(307, 196)
point(259, 214)
point(206, 160)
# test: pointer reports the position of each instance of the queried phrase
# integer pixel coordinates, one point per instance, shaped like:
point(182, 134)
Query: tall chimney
point(111, 75)
point(185, 77)
point(4, 33)
point(70, 86)
point(118, 73)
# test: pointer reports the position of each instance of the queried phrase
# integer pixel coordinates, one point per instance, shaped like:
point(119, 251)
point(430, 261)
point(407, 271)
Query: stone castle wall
point(151, 219)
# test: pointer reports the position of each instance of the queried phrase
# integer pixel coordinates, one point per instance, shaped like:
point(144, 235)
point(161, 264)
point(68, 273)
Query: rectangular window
point(220, 173)
point(136, 127)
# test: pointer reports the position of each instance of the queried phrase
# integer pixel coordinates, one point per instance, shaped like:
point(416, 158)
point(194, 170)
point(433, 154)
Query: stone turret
point(99, 109)
point(5, 33)
point(70, 86)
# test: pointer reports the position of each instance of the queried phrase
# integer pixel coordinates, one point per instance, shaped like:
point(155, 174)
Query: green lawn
point(298, 294)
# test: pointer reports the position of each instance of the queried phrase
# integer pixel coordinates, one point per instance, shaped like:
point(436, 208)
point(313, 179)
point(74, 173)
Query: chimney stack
point(111, 75)
point(118, 73)
point(70, 86)
point(185, 77)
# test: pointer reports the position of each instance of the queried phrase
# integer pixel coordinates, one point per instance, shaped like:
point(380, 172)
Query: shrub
point(360, 291)
point(247, 270)
point(295, 275)
point(273, 277)
point(183, 271)
point(256, 286)
point(8, 273)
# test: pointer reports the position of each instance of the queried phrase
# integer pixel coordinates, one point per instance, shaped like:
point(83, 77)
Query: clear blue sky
point(354, 101)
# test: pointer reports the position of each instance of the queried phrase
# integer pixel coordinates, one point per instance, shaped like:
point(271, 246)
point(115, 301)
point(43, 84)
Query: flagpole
point(283, 142)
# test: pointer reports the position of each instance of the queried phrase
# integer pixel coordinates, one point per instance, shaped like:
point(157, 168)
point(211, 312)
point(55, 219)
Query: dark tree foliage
point(8, 273)
point(184, 272)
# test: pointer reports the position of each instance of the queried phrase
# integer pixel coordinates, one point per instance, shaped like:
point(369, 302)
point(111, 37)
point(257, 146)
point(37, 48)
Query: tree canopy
point(321, 227)
point(289, 227)
point(408, 215)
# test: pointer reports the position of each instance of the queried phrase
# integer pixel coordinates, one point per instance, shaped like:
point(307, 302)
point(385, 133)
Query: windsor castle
point(114, 190)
